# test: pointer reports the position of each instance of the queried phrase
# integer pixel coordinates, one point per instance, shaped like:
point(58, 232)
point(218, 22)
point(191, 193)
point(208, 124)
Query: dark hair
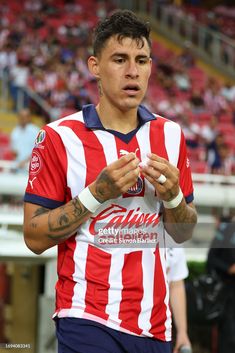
point(123, 23)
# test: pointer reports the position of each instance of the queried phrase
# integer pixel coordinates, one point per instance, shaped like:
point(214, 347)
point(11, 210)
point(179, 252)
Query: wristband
point(88, 200)
point(175, 202)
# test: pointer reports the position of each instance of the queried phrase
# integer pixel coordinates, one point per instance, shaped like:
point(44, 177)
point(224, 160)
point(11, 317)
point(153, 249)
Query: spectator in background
point(171, 108)
point(214, 101)
point(186, 58)
point(221, 259)
point(191, 131)
point(19, 77)
point(210, 130)
point(182, 80)
point(177, 271)
point(212, 150)
point(22, 139)
point(223, 164)
point(197, 104)
point(228, 92)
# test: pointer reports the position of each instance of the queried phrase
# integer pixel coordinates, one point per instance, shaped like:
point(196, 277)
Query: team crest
point(137, 189)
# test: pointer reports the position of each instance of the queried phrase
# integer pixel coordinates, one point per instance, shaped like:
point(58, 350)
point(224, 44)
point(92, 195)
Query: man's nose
point(132, 69)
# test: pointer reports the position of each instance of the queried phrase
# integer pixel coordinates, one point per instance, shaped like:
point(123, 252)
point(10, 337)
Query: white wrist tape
point(175, 202)
point(88, 200)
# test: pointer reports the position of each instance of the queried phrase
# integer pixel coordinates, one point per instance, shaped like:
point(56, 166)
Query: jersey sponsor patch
point(35, 164)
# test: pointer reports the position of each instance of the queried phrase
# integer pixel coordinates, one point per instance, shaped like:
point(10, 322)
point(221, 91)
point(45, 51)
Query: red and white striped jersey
point(123, 287)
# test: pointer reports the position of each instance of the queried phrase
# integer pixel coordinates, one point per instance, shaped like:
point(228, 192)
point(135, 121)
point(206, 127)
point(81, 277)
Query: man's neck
point(114, 119)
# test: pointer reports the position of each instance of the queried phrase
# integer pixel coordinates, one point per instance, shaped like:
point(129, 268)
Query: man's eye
point(119, 60)
point(142, 61)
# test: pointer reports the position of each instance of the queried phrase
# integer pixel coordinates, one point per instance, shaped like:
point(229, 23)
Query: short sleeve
point(47, 171)
point(177, 265)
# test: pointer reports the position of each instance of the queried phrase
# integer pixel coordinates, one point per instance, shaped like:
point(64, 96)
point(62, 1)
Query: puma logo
point(31, 182)
point(124, 152)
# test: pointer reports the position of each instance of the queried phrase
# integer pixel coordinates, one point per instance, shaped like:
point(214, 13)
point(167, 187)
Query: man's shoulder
point(161, 120)
point(69, 119)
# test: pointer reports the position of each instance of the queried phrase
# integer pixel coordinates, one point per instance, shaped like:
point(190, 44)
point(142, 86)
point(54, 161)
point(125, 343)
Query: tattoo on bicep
point(40, 211)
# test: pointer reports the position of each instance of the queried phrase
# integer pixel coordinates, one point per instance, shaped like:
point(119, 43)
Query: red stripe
point(158, 315)
point(93, 149)
point(132, 293)
point(66, 266)
point(97, 276)
point(157, 137)
point(132, 146)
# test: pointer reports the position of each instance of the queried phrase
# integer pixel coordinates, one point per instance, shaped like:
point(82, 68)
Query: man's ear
point(93, 66)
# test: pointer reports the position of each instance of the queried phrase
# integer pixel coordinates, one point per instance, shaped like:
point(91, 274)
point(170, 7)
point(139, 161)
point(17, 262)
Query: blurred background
point(44, 46)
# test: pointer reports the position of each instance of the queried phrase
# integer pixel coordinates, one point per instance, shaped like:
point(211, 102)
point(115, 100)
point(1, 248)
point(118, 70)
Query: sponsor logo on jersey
point(119, 217)
point(35, 164)
point(39, 139)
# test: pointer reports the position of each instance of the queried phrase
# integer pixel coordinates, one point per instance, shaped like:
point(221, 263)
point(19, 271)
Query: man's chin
point(131, 103)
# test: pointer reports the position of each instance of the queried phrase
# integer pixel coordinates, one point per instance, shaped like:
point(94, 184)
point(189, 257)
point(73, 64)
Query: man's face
point(123, 69)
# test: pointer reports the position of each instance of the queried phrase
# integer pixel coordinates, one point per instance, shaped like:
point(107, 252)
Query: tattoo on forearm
point(182, 220)
point(61, 221)
point(66, 218)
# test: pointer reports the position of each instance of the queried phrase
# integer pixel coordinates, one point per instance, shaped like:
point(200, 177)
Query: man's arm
point(178, 306)
point(180, 220)
point(44, 228)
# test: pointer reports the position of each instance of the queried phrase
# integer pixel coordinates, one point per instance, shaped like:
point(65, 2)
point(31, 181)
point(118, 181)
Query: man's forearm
point(180, 221)
point(47, 228)
point(178, 305)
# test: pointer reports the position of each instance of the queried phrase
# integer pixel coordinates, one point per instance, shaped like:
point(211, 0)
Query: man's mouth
point(131, 89)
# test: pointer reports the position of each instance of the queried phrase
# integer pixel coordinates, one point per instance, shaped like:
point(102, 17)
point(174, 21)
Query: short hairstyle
point(123, 23)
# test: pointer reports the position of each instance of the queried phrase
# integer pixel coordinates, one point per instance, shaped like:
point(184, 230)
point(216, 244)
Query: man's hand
point(116, 178)
point(154, 168)
point(181, 340)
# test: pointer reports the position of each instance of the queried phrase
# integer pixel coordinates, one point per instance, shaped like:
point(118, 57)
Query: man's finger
point(155, 157)
point(121, 162)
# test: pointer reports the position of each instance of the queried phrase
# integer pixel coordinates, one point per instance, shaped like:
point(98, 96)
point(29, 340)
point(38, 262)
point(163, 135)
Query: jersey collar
point(92, 120)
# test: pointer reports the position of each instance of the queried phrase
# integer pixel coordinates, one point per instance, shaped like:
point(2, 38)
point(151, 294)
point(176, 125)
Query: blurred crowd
point(45, 49)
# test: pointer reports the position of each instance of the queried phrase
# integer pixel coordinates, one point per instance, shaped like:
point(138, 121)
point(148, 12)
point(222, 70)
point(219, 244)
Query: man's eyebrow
point(123, 55)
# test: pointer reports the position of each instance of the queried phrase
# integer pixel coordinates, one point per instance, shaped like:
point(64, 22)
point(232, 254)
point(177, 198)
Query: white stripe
point(143, 138)
point(108, 142)
point(76, 159)
point(80, 260)
point(148, 265)
point(172, 133)
point(115, 281)
point(78, 116)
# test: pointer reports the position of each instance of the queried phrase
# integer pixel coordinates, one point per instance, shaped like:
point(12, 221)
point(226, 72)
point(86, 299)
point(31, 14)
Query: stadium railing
point(211, 46)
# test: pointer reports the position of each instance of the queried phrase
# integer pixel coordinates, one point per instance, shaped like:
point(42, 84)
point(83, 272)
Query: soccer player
point(110, 173)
